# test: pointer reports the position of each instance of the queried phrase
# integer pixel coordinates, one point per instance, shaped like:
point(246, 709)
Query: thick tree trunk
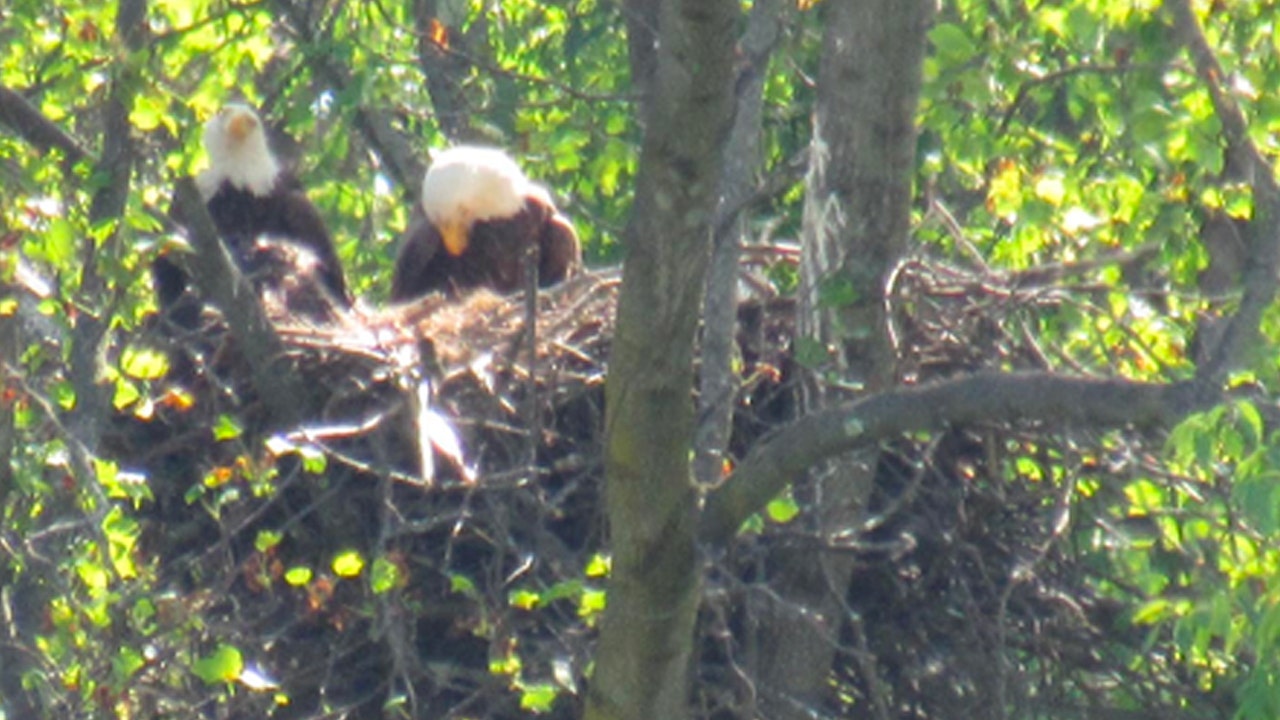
point(856, 224)
point(646, 637)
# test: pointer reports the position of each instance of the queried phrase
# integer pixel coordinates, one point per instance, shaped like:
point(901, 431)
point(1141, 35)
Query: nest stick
point(532, 421)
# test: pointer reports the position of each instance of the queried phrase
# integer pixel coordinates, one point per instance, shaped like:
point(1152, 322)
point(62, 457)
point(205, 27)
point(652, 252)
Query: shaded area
point(480, 599)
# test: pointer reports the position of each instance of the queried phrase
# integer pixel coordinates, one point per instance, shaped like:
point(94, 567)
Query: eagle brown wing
point(559, 252)
point(417, 270)
point(303, 224)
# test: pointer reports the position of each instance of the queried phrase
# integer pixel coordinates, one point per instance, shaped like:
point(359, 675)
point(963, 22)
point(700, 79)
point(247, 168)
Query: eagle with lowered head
point(478, 217)
point(250, 198)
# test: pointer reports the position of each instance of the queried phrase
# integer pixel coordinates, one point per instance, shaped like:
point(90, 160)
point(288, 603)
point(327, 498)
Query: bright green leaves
point(348, 564)
point(223, 665)
point(952, 43)
point(57, 246)
point(385, 576)
point(1203, 545)
point(298, 576)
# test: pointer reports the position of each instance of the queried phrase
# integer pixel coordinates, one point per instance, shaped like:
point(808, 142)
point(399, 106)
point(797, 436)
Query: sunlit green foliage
point(1051, 132)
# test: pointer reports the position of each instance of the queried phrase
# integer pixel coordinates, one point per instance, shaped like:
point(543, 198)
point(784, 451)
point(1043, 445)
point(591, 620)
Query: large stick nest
point(473, 479)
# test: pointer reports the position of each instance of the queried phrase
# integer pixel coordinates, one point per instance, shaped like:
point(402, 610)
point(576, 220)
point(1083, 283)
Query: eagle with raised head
point(249, 197)
point(478, 217)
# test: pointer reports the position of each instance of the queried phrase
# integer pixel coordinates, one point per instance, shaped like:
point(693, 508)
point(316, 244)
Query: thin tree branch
point(1261, 236)
point(398, 154)
point(984, 397)
point(1024, 90)
point(114, 169)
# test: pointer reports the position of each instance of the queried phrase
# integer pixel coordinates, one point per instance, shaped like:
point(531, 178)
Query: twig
point(1025, 89)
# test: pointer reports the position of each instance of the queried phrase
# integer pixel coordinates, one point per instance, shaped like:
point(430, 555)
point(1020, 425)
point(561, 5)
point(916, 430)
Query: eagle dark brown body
point(285, 213)
point(250, 198)
point(480, 220)
point(494, 257)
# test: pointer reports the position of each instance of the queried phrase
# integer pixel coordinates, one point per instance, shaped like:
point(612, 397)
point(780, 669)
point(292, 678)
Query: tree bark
point(856, 224)
point(717, 380)
point(282, 391)
point(646, 636)
point(115, 170)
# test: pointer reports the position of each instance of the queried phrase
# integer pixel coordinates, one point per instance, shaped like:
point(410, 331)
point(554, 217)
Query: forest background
point(1024, 463)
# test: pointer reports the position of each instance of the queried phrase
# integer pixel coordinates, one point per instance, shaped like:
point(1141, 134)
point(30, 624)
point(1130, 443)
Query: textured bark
point(283, 393)
point(115, 169)
point(717, 381)
point(646, 636)
point(856, 224)
point(641, 17)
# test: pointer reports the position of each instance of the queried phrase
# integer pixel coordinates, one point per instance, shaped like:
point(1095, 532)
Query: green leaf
point(538, 698)
point(524, 599)
point(125, 664)
point(952, 43)
point(783, 509)
point(142, 363)
point(59, 246)
point(598, 565)
point(348, 564)
point(811, 353)
point(384, 576)
point(267, 539)
point(226, 428)
point(224, 665)
point(298, 575)
point(592, 602)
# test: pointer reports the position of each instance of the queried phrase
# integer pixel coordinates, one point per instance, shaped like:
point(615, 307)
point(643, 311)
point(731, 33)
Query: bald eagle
point(477, 217)
point(250, 196)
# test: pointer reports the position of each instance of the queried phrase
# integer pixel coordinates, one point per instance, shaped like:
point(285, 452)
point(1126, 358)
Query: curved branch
point(985, 397)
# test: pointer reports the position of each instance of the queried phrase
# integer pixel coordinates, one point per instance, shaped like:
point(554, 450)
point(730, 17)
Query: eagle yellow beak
point(240, 125)
point(454, 235)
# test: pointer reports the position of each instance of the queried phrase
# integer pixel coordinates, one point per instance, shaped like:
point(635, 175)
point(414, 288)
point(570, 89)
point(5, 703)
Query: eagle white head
point(238, 152)
point(468, 184)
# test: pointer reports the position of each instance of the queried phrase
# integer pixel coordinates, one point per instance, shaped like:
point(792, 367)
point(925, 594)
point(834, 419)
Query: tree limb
point(280, 389)
point(1261, 232)
point(31, 125)
point(717, 381)
point(646, 636)
point(984, 397)
point(114, 173)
